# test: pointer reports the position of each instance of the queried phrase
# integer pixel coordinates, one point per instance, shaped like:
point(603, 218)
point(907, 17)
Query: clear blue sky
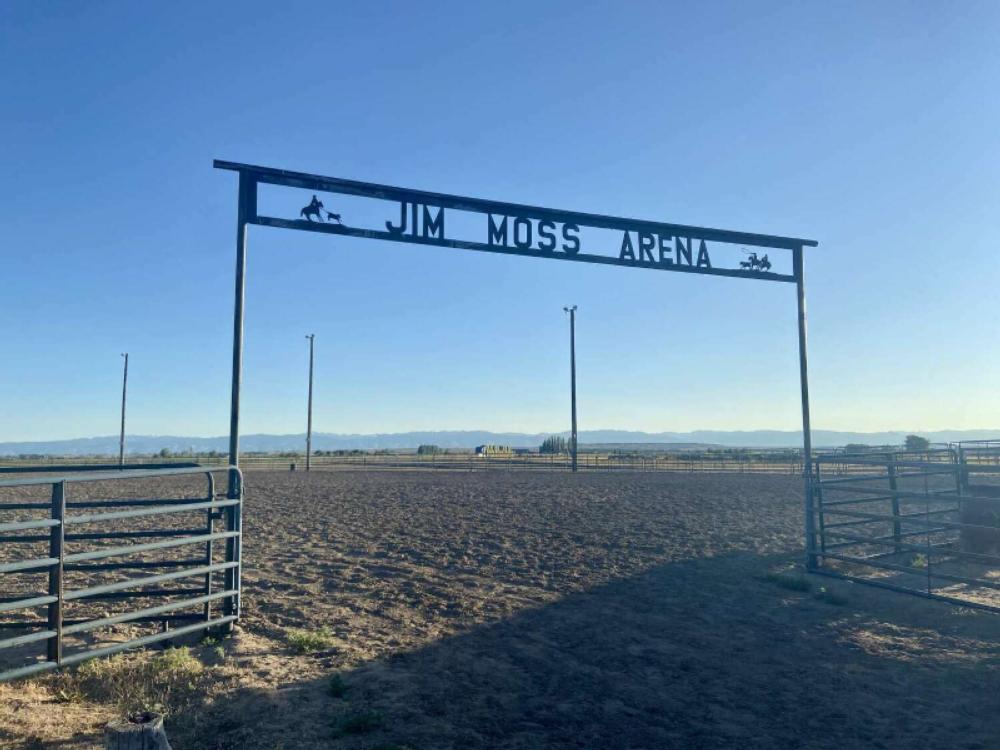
point(871, 127)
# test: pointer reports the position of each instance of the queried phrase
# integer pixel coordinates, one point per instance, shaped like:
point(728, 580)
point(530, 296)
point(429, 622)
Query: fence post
point(234, 522)
point(890, 467)
point(56, 534)
point(209, 529)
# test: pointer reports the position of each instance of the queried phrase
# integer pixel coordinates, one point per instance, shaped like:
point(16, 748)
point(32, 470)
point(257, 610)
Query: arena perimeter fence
point(82, 539)
point(924, 523)
point(755, 463)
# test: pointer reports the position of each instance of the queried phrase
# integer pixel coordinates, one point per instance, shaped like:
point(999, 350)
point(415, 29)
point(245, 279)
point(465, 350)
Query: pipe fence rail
point(84, 542)
point(922, 522)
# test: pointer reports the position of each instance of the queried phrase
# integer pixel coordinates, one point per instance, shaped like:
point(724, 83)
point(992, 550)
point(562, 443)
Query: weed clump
point(311, 641)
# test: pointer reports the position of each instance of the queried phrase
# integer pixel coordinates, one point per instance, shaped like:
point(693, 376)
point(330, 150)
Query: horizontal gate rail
point(129, 534)
point(156, 510)
point(63, 514)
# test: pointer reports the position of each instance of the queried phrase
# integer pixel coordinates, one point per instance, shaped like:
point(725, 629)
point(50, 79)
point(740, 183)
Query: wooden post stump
point(142, 731)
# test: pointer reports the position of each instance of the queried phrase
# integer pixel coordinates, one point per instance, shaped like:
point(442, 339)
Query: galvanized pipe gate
point(925, 523)
point(97, 547)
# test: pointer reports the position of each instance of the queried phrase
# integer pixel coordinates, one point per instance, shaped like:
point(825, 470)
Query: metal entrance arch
point(518, 229)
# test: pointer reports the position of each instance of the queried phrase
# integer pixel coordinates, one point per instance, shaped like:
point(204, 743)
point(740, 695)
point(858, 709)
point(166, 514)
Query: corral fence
point(924, 522)
point(752, 462)
point(89, 569)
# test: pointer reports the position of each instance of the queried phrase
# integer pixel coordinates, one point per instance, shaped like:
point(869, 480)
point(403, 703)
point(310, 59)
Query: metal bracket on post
point(56, 539)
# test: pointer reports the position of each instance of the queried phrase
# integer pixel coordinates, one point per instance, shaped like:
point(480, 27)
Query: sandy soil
point(546, 610)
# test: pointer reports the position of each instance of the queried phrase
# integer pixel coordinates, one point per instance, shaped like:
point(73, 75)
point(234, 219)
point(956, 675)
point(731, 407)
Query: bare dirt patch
point(545, 610)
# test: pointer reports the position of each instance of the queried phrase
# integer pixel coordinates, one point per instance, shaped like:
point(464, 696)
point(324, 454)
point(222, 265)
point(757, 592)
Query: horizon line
point(500, 432)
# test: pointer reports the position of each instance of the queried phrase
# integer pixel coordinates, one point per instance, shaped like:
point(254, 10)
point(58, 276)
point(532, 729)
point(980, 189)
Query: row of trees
point(554, 444)
point(911, 443)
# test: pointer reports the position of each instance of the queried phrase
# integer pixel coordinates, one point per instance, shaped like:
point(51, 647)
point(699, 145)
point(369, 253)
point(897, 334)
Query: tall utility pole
point(572, 380)
point(121, 439)
point(309, 423)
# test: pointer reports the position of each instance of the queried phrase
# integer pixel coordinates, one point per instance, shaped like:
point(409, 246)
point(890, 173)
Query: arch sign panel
point(331, 205)
point(442, 220)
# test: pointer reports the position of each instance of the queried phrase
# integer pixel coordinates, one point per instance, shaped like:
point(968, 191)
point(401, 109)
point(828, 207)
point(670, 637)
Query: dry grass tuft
point(163, 682)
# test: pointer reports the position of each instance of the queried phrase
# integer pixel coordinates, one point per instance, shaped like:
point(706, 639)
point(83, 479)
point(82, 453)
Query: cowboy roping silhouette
point(315, 208)
point(312, 210)
point(753, 263)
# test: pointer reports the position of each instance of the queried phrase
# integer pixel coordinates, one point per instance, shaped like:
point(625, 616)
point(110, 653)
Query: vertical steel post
point(572, 381)
point(810, 520)
point(121, 439)
point(234, 545)
point(209, 529)
point(246, 211)
point(309, 421)
point(56, 534)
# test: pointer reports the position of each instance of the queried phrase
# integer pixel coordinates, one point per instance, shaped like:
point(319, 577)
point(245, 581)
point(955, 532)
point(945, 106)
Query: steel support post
point(810, 513)
point(246, 211)
point(309, 420)
point(121, 439)
point(56, 538)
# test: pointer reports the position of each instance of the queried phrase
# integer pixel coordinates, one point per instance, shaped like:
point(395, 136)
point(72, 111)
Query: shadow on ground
point(692, 654)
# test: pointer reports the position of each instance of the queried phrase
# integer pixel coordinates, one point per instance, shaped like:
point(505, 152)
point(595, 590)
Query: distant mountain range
point(469, 439)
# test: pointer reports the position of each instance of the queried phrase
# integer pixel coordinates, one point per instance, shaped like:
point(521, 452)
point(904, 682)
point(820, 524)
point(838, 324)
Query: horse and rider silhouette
point(315, 208)
point(753, 263)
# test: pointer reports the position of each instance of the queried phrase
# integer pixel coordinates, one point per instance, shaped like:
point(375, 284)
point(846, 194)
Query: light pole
point(572, 380)
point(309, 422)
point(121, 439)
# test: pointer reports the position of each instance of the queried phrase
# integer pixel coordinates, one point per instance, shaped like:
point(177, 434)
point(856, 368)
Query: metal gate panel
point(84, 539)
point(924, 523)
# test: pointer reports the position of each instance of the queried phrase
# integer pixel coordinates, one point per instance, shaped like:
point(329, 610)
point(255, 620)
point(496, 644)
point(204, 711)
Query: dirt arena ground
point(547, 610)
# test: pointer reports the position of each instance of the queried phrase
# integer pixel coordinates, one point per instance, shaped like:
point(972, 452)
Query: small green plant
point(790, 582)
point(919, 560)
point(338, 688)
point(209, 641)
point(831, 597)
point(359, 722)
point(310, 641)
